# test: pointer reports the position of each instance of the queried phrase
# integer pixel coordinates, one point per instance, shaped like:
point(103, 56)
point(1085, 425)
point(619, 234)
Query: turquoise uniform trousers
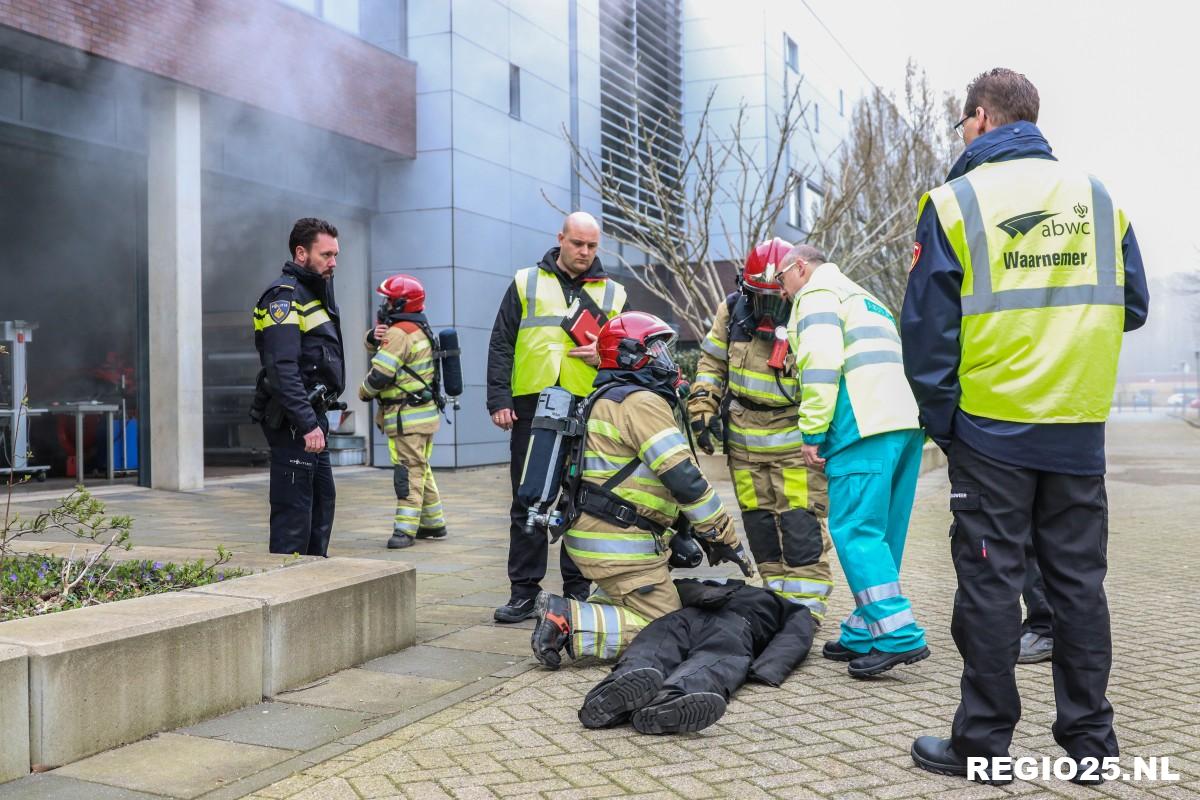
point(871, 487)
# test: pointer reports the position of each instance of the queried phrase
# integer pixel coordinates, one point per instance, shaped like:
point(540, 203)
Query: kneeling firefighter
point(407, 367)
point(747, 379)
point(632, 473)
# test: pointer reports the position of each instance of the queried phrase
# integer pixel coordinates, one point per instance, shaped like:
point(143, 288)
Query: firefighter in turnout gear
point(298, 335)
point(638, 475)
point(403, 383)
point(746, 383)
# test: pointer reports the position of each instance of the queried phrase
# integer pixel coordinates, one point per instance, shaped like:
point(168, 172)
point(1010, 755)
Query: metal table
point(80, 410)
point(12, 419)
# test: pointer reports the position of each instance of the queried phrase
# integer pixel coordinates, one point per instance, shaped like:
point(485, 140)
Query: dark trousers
point(696, 649)
point(302, 495)
point(1039, 618)
point(998, 509)
point(527, 554)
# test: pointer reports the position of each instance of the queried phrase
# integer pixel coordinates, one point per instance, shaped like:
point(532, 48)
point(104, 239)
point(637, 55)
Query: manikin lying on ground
point(681, 670)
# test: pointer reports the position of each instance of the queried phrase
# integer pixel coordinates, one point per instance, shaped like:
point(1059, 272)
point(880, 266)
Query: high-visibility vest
point(1043, 291)
point(540, 359)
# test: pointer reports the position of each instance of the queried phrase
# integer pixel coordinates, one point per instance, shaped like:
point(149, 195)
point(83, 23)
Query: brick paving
point(482, 724)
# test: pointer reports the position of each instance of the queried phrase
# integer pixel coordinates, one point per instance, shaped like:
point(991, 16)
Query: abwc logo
point(1022, 224)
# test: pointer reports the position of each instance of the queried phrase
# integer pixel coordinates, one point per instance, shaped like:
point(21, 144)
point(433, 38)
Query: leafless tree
point(892, 155)
point(693, 205)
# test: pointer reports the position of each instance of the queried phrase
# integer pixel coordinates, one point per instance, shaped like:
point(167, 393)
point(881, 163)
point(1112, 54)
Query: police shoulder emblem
point(278, 309)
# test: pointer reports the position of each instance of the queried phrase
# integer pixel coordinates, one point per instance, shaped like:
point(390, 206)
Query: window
point(841, 103)
point(514, 91)
point(816, 118)
point(795, 203)
point(791, 53)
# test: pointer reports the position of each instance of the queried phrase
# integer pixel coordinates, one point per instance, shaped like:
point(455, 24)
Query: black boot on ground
point(552, 633)
point(611, 702)
point(834, 651)
point(877, 662)
point(515, 610)
point(936, 755)
point(680, 714)
point(432, 533)
point(399, 541)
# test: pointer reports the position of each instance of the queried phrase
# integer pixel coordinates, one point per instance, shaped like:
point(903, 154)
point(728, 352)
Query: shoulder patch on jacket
point(278, 309)
point(916, 255)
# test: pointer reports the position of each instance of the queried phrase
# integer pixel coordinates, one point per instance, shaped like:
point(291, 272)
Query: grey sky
point(1117, 84)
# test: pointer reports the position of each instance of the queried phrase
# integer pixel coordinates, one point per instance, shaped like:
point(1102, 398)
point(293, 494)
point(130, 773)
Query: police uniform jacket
point(298, 334)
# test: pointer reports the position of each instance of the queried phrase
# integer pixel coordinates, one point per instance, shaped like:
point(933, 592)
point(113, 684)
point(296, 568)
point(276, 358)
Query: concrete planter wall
point(79, 682)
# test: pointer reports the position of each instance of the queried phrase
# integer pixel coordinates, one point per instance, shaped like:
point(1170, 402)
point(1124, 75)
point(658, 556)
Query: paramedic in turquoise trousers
point(859, 421)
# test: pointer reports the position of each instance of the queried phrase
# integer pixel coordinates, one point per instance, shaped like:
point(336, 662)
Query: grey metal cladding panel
point(433, 121)
point(10, 95)
point(432, 56)
point(481, 130)
point(478, 297)
point(484, 23)
point(428, 16)
point(535, 50)
point(481, 186)
point(422, 183)
point(482, 243)
point(480, 74)
point(530, 209)
point(412, 239)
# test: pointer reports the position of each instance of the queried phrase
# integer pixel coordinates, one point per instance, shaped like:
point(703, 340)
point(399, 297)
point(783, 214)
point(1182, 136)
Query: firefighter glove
point(719, 552)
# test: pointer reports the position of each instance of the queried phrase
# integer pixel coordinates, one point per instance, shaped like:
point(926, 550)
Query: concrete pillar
point(173, 250)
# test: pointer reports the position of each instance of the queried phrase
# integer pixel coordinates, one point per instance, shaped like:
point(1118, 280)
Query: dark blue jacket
point(932, 315)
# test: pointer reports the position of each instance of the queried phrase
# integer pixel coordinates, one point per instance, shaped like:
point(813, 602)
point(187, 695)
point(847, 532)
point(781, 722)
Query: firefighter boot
point(552, 632)
point(614, 699)
point(399, 540)
point(672, 712)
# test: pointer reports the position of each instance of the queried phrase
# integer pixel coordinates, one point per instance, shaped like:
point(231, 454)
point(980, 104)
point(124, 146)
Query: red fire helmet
point(405, 292)
point(760, 283)
point(626, 340)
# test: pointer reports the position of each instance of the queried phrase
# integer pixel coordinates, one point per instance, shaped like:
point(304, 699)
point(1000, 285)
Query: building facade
point(158, 153)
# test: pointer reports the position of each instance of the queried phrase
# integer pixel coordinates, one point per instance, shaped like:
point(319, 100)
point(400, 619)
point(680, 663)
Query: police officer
point(299, 340)
point(859, 422)
point(783, 501)
point(1025, 273)
point(403, 381)
point(638, 475)
point(530, 351)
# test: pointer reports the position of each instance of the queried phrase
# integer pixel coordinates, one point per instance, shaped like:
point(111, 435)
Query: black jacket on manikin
point(726, 633)
point(503, 343)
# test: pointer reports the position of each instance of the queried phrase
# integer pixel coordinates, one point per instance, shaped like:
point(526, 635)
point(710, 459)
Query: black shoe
point(432, 533)
point(684, 714)
point(936, 755)
point(399, 541)
point(517, 609)
point(1035, 648)
point(877, 661)
point(834, 651)
point(552, 633)
point(611, 702)
point(580, 594)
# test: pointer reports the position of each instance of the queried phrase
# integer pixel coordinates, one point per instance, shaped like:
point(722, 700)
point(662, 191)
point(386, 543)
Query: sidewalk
point(463, 715)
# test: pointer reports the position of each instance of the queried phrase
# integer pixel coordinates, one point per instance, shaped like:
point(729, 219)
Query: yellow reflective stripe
point(704, 509)
point(302, 307)
point(667, 508)
point(765, 440)
point(795, 486)
point(715, 348)
point(265, 322)
point(604, 429)
point(661, 446)
point(708, 378)
point(743, 484)
point(310, 321)
point(389, 362)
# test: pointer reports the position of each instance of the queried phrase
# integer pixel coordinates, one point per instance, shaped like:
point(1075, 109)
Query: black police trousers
point(302, 495)
point(1039, 618)
point(527, 554)
point(998, 510)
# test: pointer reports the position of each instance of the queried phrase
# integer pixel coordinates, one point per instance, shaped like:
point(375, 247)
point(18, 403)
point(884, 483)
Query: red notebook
point(581, 320)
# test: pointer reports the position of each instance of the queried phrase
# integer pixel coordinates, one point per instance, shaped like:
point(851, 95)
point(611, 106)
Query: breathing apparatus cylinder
point(554, 429)
point(448, 353)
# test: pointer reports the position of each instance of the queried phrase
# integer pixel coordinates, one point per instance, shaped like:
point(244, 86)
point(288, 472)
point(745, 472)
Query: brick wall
point(258, 52)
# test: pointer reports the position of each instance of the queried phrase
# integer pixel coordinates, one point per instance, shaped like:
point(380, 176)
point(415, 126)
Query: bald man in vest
point(1025, 273)
point(529, 351)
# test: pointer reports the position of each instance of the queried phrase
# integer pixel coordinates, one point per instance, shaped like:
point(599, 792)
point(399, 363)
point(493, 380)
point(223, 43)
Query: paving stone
point(284, 725)
point(175, 765)
point(444, 663)
point(53, 786)
point(508, 640)
point(369, 691)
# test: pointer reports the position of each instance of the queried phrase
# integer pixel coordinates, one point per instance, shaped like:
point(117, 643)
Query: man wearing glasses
point(1024, 275)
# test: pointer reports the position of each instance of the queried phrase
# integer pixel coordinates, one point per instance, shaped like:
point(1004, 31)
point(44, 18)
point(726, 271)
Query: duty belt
point(407, 400)
point(752, 405)
point(610, 508)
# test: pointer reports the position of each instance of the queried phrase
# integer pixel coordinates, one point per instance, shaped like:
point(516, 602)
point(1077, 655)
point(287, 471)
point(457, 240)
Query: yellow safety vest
point(1043, 291)
point(541, 358)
